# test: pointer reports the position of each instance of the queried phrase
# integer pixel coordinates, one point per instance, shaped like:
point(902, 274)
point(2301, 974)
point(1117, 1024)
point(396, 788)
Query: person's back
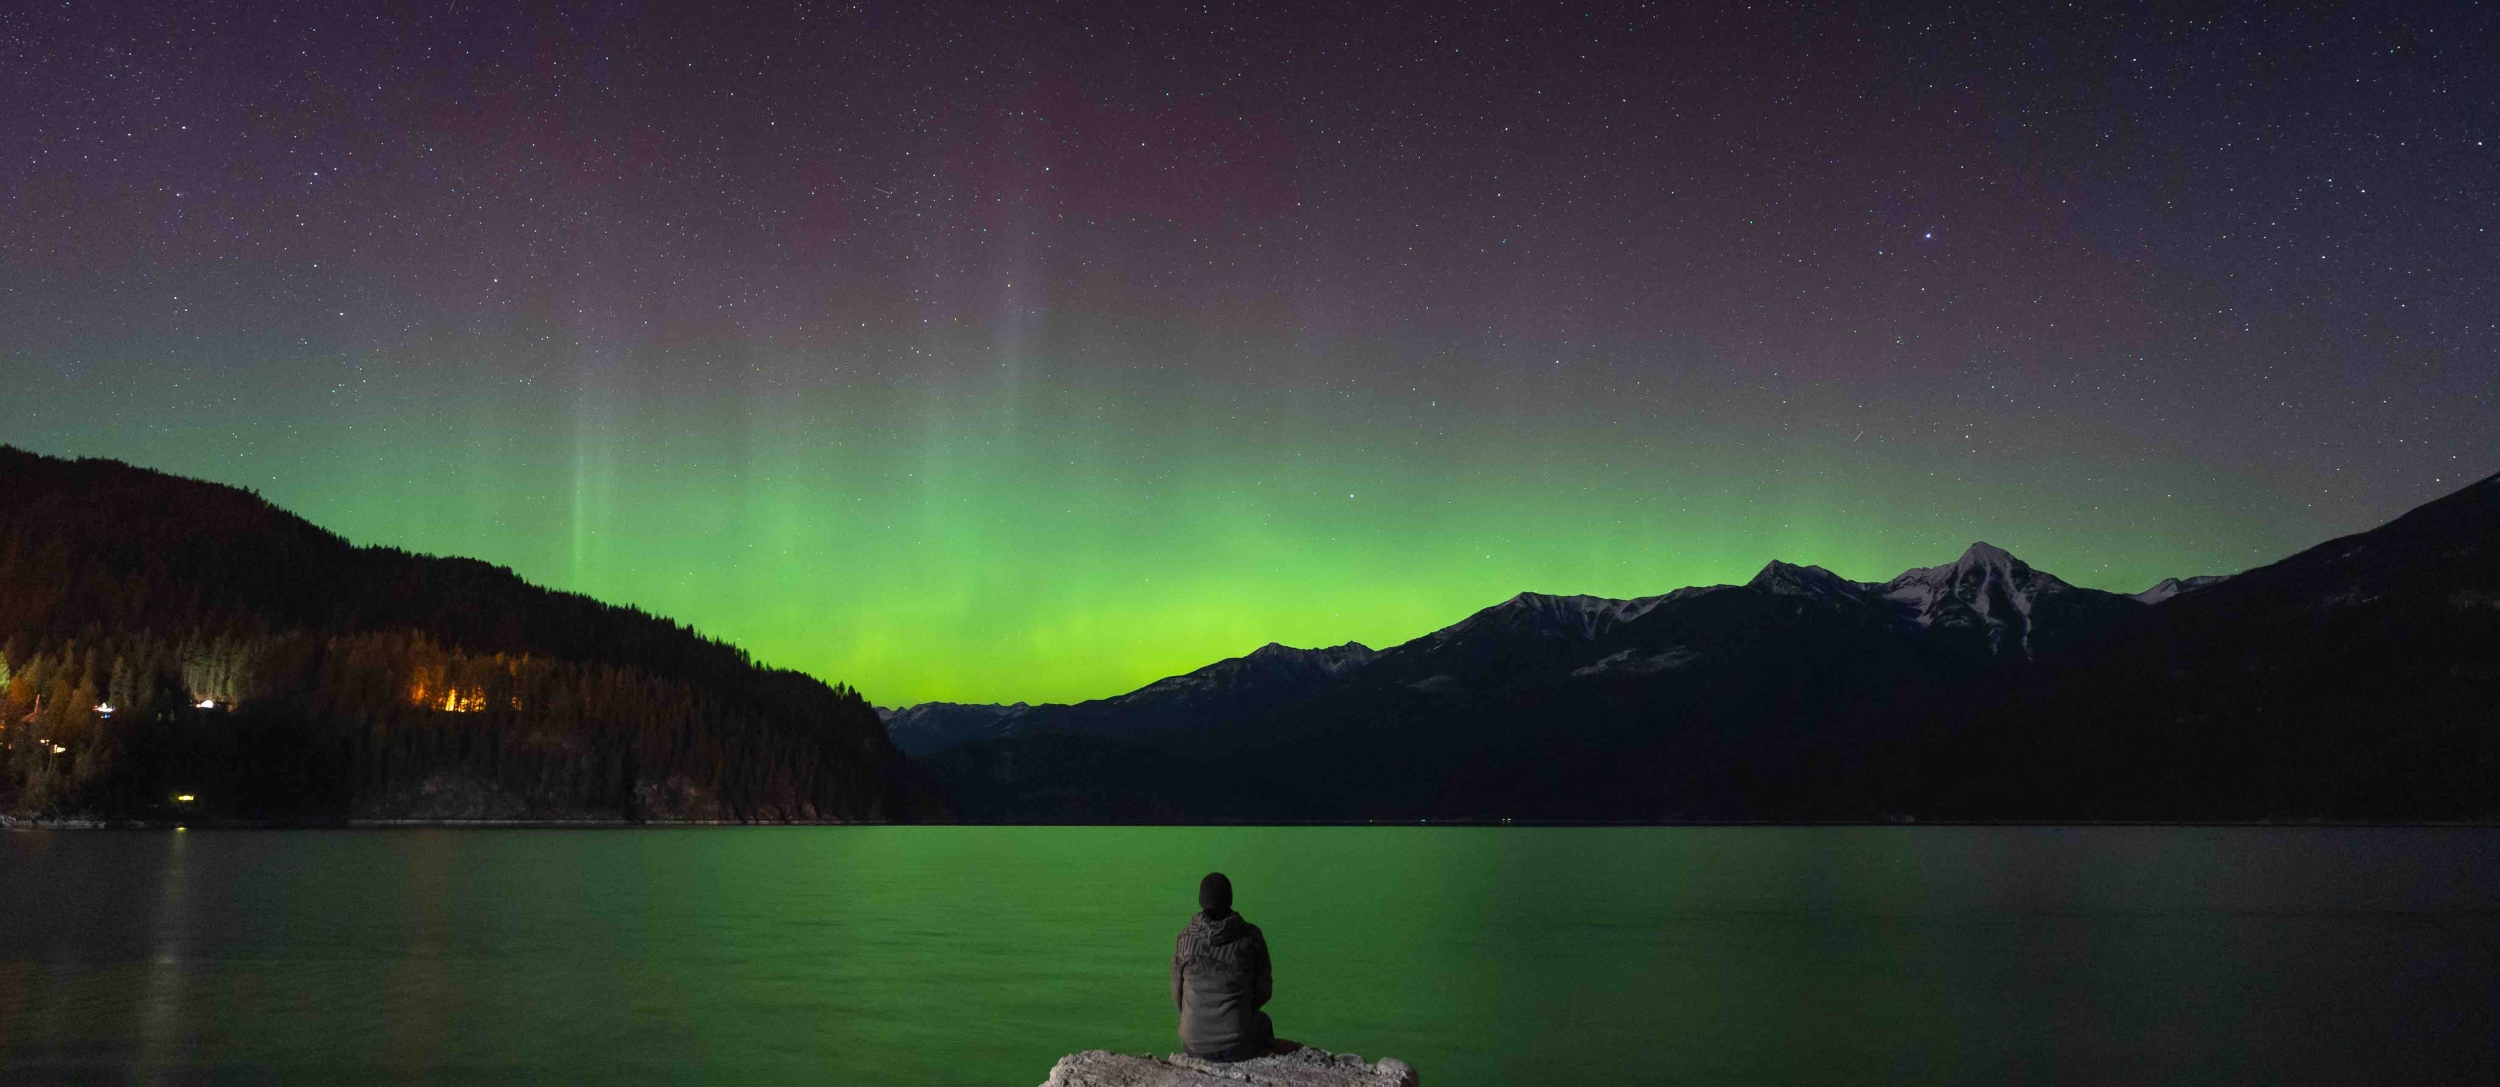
point(1221, 978)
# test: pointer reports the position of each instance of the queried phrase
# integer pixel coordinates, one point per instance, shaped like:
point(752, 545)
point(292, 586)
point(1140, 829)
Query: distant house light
point(455, 700)
point(185, 798)
point(208, 703)
point(105, 708)
point(58, 749)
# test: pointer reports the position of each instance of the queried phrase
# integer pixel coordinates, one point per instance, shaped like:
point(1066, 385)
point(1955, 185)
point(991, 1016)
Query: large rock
point(1292, 1065)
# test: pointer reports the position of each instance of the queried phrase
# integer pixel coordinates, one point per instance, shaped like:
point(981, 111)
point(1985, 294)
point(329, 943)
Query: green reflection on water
point(1514, 955)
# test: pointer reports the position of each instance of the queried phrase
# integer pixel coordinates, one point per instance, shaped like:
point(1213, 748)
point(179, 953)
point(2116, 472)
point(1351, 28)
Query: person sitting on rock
point(1220, 979)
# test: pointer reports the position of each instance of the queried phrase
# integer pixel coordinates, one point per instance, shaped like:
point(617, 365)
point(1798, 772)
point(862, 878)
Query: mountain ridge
point(1270, 675)
point(2351, 674)
point(1958, 594)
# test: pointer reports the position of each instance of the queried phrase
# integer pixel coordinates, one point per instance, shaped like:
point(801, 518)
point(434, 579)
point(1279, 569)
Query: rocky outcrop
point(1292, 1065)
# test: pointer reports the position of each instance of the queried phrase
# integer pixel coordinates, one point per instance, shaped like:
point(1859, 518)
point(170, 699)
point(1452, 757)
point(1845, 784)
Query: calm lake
point(978, 955)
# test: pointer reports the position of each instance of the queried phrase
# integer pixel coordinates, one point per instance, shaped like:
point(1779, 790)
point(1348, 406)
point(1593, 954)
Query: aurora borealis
point(1032, 353)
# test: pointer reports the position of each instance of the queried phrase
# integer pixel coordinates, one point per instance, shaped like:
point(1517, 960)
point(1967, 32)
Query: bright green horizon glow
point(980, 534)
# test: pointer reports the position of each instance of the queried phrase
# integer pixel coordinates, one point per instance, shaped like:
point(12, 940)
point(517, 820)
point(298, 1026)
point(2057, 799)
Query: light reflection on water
point(1482, 955)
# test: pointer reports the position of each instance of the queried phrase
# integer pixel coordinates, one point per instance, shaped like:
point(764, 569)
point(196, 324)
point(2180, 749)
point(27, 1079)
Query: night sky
point(1029, 352)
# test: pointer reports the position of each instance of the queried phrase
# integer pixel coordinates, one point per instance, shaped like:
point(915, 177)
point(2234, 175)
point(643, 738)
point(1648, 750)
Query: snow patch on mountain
point(1636, 662)
point(2178, 586)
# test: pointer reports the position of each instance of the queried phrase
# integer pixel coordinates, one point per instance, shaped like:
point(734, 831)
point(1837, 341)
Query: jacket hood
point(1224, 930)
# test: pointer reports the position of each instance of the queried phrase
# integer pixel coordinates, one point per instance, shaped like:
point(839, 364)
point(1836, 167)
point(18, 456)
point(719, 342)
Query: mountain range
point(1985, 604)
point(183, 651)
point(2355, 680)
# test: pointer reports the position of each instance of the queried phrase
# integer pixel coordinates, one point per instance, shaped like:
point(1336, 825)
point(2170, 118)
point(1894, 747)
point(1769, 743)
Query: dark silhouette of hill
point(270, 670)
point(2359, 679)
point(934, 726)
point(1231, 690)
point(2356, 680)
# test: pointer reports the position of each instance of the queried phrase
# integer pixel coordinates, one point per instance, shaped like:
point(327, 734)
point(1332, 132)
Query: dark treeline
point(162, 637)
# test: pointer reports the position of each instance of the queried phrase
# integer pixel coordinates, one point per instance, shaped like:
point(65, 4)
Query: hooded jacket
point(1220, 979)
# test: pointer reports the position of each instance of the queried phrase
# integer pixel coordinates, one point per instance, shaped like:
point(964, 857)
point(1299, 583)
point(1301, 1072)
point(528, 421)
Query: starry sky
point(1000, 352)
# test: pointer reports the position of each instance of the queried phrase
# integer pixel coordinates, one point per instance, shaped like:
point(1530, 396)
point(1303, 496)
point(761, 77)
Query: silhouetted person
point(1220, 979)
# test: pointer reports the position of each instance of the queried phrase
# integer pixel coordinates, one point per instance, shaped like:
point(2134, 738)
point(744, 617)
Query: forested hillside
point(163, 637)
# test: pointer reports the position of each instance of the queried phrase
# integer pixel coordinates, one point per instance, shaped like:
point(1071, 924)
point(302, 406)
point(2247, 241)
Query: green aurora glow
point(991, 353)
point(975, 533)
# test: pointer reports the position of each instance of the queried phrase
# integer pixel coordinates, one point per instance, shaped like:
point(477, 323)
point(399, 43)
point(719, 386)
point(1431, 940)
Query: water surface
point(941, 955)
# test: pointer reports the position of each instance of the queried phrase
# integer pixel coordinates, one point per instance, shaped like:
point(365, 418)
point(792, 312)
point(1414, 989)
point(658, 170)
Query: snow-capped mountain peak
point(1328, 660)
point(1542, 615)
point(1981, 553)
point(1981, 564)
point(1812, 582)
point(1987, 589)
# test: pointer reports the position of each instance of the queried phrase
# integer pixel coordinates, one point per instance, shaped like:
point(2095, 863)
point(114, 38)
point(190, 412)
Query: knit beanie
point(1215, 894)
